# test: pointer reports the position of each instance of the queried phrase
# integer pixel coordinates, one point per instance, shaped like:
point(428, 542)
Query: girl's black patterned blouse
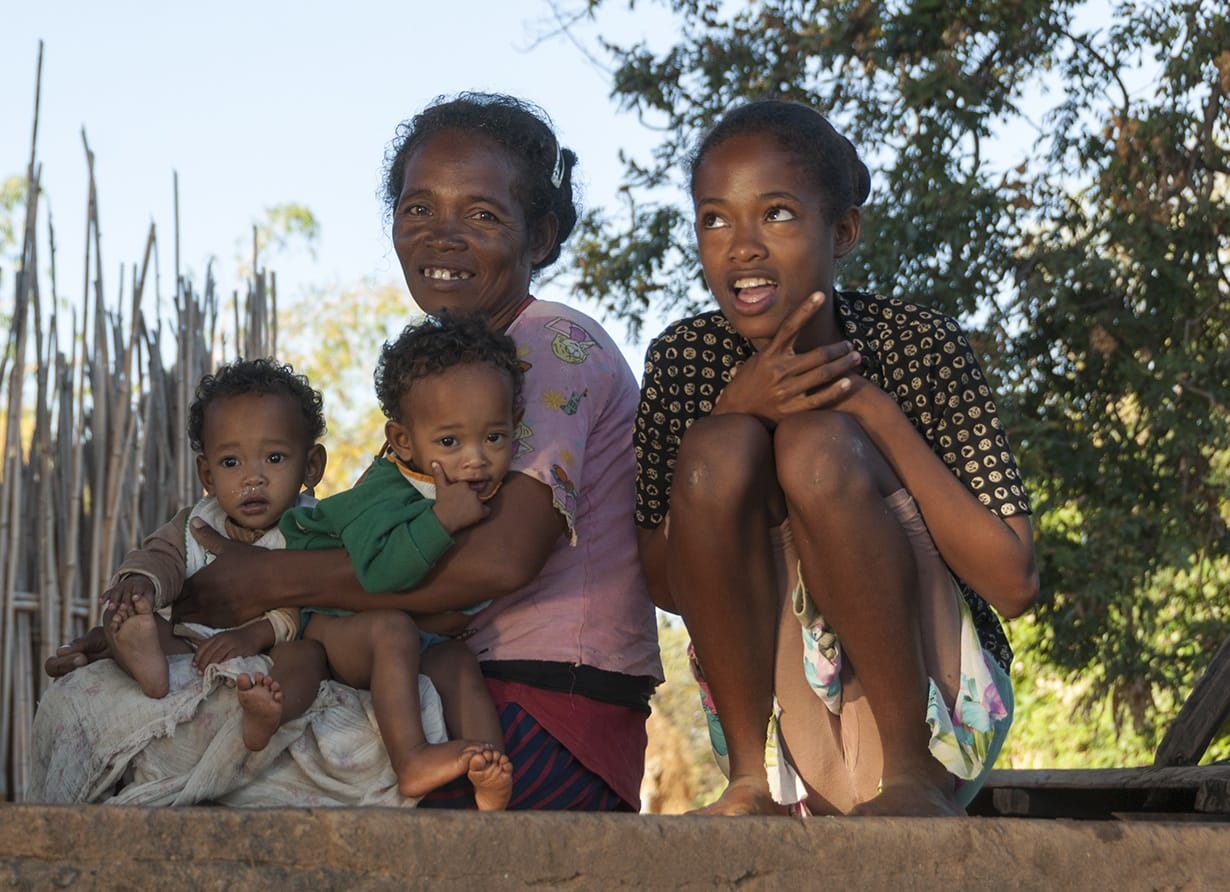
point(917, 355)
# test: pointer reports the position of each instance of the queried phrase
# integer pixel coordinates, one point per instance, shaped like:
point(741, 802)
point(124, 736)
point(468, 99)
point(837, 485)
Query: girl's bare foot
point(133, 637)
point(744, 796)
point(491, 774)
point(431, 765)
point(911, 797)
point(260, 698)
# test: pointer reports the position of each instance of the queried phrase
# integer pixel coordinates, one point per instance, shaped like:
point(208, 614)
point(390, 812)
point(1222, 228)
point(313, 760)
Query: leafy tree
point(12, 197)
point(337, 350)
point(1062, 188)
point(282, 229)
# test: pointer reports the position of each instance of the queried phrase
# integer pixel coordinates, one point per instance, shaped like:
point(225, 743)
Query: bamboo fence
point(95, 451)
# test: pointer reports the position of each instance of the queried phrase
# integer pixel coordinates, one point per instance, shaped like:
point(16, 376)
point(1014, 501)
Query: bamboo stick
point(104, 458)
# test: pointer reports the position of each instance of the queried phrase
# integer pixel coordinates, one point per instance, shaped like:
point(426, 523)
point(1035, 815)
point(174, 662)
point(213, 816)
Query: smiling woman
point(480, 195)
point(471, 227)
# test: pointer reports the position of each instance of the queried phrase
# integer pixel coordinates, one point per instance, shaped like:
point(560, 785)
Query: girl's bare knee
point(825, 456)
point(721, 459)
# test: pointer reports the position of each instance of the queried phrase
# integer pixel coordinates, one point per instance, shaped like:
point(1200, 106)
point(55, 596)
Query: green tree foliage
point(12, 198)
point(288, 224)
point(338, 350)
point(282, 230)
point(1061, 187)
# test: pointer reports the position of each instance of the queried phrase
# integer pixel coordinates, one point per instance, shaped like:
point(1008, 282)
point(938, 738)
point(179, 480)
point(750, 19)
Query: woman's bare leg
point(379, 650)
point(722, 579)
point(860, 570)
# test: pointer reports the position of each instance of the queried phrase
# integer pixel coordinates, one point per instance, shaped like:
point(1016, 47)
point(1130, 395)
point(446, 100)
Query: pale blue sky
point(262, 103)
point(265, 102)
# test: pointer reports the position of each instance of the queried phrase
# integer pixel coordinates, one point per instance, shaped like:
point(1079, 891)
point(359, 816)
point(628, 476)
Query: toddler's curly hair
point(265, 375)
point(437, 344)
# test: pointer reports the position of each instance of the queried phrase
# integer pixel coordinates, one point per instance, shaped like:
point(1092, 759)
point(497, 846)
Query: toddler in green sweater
point(451, 389)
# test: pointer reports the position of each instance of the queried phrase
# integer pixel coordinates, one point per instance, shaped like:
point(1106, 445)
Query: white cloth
point(98, 738)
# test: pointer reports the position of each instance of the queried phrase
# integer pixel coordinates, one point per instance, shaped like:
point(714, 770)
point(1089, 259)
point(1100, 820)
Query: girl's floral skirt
point(969, 703)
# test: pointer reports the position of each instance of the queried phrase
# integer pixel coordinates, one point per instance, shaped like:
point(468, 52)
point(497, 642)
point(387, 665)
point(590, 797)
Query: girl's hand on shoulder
point(777, 381)
point(457, 505)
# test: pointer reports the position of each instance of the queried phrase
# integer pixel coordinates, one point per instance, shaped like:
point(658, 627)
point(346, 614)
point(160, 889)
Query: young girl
point(823, 487)
point(254, 426)
point(451, 389)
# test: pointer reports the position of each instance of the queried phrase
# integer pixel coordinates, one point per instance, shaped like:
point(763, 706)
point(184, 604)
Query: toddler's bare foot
point(744, 796)
point(911, 797)
point(133, 637)
point(431, 765)
point(260, 698)
point(491, 773)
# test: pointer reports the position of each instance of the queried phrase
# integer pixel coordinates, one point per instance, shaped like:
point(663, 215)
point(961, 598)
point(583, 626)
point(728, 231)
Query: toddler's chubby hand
point(246, 641)
point(457, 504)
point(122, 593)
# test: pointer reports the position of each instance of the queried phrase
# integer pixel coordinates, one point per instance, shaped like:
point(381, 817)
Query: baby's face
point(463, 419)
point(256, 456)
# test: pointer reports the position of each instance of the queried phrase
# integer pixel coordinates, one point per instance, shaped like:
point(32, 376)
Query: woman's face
point(461, 236)
point(766, 241)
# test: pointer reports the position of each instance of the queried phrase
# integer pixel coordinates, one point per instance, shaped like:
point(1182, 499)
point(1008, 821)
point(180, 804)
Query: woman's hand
point(226, 592)
point(245, 641)
point(457, 505)
point(89, 647)
point(777, 381)
point(446, 622)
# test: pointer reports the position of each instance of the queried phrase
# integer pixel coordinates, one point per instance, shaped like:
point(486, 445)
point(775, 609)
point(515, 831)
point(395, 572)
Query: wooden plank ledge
point(108, 847)
point(1099, 793)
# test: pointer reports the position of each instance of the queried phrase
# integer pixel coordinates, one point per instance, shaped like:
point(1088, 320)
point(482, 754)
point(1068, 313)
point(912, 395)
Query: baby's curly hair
point(255, 376)
point(437, 344)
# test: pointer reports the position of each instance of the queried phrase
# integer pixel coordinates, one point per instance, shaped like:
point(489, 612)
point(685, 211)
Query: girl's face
point(460, 234)
point(257, 456)
point(462, 418)
point(766, 241)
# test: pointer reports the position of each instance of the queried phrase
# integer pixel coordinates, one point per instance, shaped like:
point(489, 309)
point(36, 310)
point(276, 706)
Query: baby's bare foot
point(260, 698)
point(133, 637)
point(744, 797)
point(491, 774)
point(431, 765)
point(911, 797)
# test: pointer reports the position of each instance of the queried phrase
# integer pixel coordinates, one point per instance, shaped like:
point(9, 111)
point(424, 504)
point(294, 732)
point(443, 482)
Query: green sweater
point(384, 523)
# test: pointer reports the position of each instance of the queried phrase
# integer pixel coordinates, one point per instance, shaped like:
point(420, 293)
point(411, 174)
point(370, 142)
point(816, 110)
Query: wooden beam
point(1202, 715)
point(1100, 793)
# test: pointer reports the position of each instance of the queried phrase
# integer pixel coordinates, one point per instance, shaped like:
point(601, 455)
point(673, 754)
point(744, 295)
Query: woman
point(480, 196)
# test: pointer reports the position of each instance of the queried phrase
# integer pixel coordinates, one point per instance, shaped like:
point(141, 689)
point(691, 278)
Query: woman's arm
point(490, 559)
point(993, 555)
